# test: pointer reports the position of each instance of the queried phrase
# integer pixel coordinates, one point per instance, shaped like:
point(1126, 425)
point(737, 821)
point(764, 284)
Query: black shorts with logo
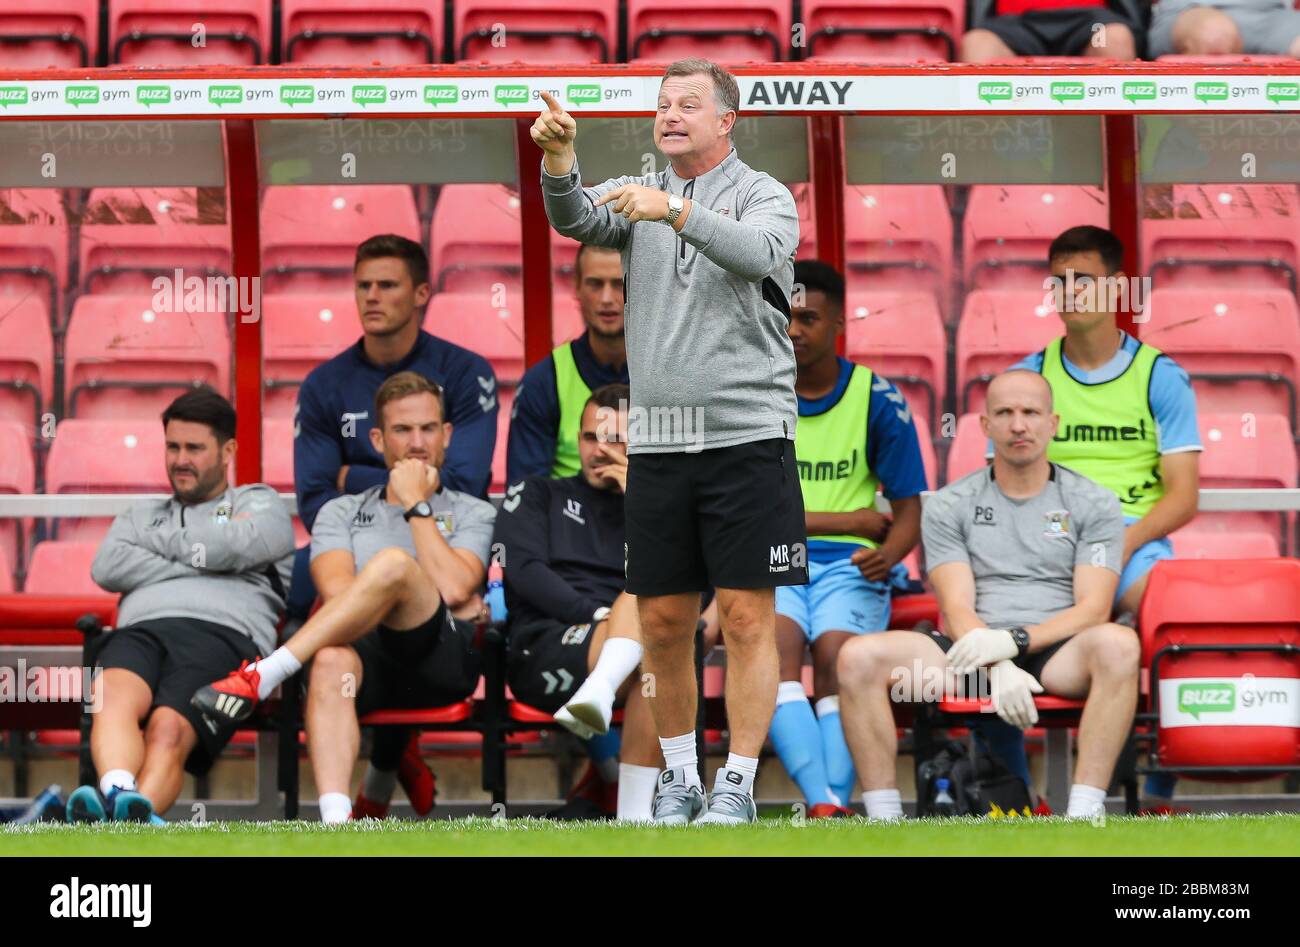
point(730, 518)
point(1034, 662)
point(546, 660)
point(175, 657)
point(430, 666)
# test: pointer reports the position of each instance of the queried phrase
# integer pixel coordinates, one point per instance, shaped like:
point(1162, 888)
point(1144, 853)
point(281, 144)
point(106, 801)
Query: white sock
point(747, 765)
point(116, 779)
point(636, 792)
point(1085, 801)
point(619, 657)
point(827, 706)
point(883, 805)
point(275, 669)
point(379, 784)
point(679, 753)
point(335, 807)
point(787, 692)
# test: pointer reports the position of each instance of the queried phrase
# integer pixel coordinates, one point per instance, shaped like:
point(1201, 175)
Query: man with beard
point(202, 576)
point(552, 396)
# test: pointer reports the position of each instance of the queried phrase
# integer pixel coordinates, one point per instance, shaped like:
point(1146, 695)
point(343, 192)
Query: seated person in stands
point(399, 567)
point(1256, 27)
point(1024, 556)
point(333, 455)
point(573, 632)
point(553, 393)
point(856, 424)
point(1001, 29)
point(202, 576)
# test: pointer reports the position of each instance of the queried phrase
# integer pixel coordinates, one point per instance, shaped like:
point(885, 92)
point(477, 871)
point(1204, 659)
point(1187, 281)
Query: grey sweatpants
point(1267, 27)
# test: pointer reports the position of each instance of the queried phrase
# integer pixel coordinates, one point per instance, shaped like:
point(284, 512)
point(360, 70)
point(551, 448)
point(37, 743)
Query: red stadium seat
point(899, 237)
point(62, 568)
point(161, 32)
point(1242, 348)
point(968, 449)
point(122, 359)
point(104, 456)
point(6, 574)
point(299, 331)
point(722, 30)
point(341, 32)
point(472, 321)
point(1220, 235)
point(566, 318)
point(536, 31)
point(1008, 229)
point(929, 461)
point(277, 464)
point(26, 362)
point(476, 240)
point(997, 329)
point(1194, 615)
point(62, 34)
point(1192, 543)
point(34, 246)
point(130, 235)
point(901, 336)
point(17, 476)
point(803, 202)
point(1245, 451)
point(310, 232)
point(883, 30)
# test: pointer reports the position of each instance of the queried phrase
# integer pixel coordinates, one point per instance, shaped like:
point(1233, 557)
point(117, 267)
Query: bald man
point(1024, 556)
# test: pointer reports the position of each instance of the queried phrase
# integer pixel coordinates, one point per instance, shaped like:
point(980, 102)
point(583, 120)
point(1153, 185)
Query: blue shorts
point(836, 598)
point(1141, 562)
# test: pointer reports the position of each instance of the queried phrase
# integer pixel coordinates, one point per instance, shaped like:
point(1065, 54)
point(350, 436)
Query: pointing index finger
point(608, 196)
point(551, 104)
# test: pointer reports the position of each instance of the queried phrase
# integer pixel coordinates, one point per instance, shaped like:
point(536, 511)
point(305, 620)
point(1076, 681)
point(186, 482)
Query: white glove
point(1013, 694)
point(981, 647)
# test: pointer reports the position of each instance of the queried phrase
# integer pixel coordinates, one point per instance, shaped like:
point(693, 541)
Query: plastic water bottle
point(943, 804)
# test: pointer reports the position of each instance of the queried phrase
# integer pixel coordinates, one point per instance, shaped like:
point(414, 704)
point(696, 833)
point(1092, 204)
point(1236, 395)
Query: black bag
point(979, 783)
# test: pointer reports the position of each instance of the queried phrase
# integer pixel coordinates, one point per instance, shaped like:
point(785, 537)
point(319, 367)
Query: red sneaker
point(230, 700)
point(1042, 809)
point(828, 810)
point(1165, 810)
point(416, 779)
point(364, 808)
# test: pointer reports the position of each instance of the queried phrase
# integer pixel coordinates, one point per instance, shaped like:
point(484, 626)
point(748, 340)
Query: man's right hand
point(412, 480)
point(1013, 690)
point(554, 132)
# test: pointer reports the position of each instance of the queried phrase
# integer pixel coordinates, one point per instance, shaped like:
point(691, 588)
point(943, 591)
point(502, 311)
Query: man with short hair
point(855, 435)
point(333, 455)
point(574, 637)
point(1024, 556)
point(713, 494)
point(399, 567)
point(1218, 28)
point(550, 400)
point(202, 576)
point(1103, 379)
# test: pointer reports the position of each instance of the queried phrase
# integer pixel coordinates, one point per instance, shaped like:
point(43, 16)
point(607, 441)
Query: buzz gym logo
point(292, 95)
point(583, 94)
point(77, 95)
point(220, 95)
point(13, 95)
point(507, 95)
point(435, 95)
point(991, 92)
point(364, 95)
point(1245, 701)
point(148, 95)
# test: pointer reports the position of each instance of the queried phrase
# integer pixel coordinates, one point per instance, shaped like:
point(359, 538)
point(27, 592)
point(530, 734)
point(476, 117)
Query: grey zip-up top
point(706, 310)
point(212, 561)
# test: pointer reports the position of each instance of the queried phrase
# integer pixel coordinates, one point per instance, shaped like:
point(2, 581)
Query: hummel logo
point(487, 384)
point(229, 704)
point(514, 496)
point(573, 510)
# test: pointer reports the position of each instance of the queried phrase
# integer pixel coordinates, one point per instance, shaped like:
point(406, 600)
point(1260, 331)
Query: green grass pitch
point(1182, 835)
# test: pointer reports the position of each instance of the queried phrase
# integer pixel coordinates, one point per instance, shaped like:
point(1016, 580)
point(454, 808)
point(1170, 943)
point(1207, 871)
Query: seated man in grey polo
point(1024, 556)
point(202, 576)
point(1218, 28)
point(400, 567)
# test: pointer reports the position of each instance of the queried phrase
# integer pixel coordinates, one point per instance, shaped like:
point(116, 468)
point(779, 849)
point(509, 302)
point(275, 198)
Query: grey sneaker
point(676, 801)
point(732, 800)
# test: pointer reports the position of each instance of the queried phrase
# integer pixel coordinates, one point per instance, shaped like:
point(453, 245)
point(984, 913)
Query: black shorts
point(1034, 662)
point(730, 517)
point(430, 666)
point(1059, 32)
point(175, 657)
point(546, 660)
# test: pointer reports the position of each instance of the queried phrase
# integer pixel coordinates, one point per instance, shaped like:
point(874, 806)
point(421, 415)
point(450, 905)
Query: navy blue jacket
point(345, 386)
point(535, 417)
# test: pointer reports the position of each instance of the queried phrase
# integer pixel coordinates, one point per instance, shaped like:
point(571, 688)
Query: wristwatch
point(600, 614)
point(1021, 638)
point(420, 509)
point(675, 207)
